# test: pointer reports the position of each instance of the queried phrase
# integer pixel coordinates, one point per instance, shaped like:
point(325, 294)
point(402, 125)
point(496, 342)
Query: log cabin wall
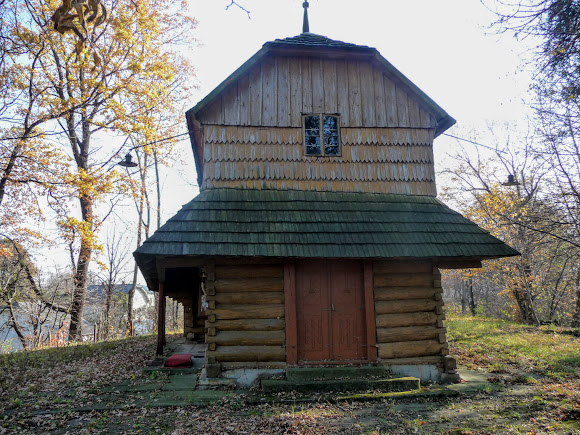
point(252, 132)
point(245, 323)
point(409, 313)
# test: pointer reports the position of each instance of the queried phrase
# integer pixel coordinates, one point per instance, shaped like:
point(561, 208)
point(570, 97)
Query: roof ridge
point(313, 39)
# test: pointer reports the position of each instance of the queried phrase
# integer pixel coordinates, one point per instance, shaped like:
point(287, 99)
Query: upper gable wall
point(278, 90)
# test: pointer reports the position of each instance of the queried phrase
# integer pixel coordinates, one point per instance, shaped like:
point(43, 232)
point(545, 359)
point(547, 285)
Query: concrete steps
point(328, 379)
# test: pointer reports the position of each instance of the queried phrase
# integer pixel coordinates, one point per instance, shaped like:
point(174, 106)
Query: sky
point(445, 47)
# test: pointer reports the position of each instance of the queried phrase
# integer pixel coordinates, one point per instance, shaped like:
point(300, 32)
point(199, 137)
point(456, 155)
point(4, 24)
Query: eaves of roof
point(302, 224)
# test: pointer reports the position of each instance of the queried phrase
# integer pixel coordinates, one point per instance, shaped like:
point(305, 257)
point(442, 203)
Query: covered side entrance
point(330, 314)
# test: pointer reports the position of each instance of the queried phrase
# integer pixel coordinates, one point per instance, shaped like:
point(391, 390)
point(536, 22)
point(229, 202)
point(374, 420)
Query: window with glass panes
point(321, 135)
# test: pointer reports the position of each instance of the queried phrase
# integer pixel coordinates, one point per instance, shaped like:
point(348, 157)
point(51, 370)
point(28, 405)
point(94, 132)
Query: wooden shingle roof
point(303, 224)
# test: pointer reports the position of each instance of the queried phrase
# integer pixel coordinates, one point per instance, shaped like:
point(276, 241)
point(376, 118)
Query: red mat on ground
point(179, 360)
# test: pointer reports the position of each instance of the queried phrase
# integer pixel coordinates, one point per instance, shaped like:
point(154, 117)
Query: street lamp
point(511, 181)
point(128, 162)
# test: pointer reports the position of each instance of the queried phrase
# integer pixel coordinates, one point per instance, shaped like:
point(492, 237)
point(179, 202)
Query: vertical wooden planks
point(306, 85)
point(425, 119)
point(231, 105)
point(379, 100)
point(354, 96)
point(295, 92)
point(367, 95)
point(390, 102)
point(283, 90)
point(256, 96)
point(402, 107)
point(414, 119)
point(244, 99)
point(317, 86)
point(342, 92)
point(290, 314)
point(161, 319)
point(269, 97)
point(330, 86)
point(371, 328)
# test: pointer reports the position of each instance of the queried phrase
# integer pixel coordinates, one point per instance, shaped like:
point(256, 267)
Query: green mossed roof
point(274, 223)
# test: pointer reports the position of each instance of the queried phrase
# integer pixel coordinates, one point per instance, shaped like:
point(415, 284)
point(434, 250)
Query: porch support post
point(161, 319)
point(290, 313)
point(188, 316)
point(371, 325)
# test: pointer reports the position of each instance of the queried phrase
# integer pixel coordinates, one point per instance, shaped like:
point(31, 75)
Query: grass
point(534, 388)
point(499, 346)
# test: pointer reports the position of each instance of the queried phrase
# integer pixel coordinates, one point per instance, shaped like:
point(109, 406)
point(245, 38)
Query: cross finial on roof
point(305, 26)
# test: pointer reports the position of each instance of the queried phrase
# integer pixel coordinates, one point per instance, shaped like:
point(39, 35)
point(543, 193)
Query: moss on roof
point(272, 223)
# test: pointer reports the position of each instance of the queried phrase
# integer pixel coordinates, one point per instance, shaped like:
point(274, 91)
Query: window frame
point(321, 129)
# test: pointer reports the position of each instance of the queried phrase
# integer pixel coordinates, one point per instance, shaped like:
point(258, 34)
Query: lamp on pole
point(128, 162)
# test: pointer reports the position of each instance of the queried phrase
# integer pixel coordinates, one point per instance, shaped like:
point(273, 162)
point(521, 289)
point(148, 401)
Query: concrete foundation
point(425, 372)
point(246, 378)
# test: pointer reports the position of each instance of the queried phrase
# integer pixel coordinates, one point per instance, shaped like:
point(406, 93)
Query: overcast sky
point(445, 47)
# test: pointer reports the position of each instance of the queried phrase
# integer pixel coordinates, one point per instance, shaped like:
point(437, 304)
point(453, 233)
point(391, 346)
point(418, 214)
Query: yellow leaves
point(74, 230)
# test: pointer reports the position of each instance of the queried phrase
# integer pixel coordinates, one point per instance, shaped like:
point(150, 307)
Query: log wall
point(409, 313)
point(245, 315)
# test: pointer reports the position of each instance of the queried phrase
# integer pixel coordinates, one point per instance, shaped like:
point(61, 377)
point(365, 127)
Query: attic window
point(321, 135)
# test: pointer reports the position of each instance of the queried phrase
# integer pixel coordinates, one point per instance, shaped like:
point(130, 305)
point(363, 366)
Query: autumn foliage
point(69, 111)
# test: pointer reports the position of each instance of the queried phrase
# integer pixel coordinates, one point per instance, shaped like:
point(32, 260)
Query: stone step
point(171, 370)
point(329, 373)
point(385, 385)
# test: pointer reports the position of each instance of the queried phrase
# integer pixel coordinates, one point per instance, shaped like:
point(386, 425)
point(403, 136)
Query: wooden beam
point(406, 319)
point(177, 262)
point(246, 324)
point(243, 311)
point(247, 353)
point(409, 349)
point(250, 271)
point(404, 279)
point(403, 293)
point(252, 298)
point(161, 319)
point(247, 338)
point(459, 264)
point(370, 311)
point(406, 306)
point(290, 313)
point(256, 284)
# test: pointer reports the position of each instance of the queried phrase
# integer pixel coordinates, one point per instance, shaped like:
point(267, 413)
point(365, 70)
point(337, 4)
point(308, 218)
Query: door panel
point(313, 315)
point(330, 311)
point(348, 314)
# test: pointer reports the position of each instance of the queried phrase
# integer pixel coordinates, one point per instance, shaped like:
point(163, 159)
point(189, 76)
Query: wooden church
point(317, 238)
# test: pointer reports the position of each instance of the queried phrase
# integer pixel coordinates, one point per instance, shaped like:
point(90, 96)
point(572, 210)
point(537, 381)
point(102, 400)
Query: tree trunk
point(576, 317)
point(132, 292)
point(81, 274)
point(107, 326)
point(470, 295)
point(525, 305)
point(16, 327)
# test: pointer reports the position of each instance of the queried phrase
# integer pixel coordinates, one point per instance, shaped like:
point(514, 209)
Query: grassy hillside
point(533, 387)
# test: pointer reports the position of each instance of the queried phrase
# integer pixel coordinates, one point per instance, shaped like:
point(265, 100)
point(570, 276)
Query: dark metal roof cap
point(313, 40)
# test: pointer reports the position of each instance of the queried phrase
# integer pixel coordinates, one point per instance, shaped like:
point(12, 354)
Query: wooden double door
point(330, 311)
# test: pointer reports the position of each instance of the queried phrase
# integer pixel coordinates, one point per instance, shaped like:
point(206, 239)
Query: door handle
point(332, 307)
